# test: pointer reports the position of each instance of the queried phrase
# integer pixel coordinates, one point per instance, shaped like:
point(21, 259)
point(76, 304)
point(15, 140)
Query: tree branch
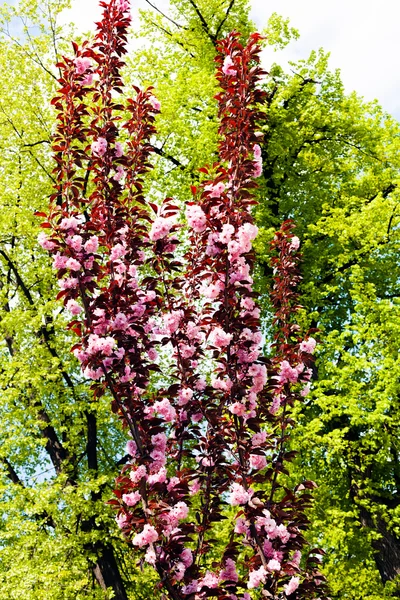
point(232, 2)
point(203, 22)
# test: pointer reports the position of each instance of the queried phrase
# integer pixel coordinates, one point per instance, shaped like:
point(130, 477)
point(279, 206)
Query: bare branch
point(165, 16)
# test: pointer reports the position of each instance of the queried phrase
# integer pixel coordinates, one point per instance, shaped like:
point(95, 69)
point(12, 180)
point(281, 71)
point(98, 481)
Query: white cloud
point(361, 35)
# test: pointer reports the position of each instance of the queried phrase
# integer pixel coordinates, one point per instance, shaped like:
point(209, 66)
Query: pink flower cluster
point(196, 218)
point(228, 66)
point(149, 535)
point(99, 147)
point(160, 228)
point(239, 495)
point(257, 161)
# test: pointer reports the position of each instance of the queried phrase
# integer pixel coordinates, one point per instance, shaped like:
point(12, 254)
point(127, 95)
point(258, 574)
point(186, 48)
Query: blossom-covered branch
point(174, 335)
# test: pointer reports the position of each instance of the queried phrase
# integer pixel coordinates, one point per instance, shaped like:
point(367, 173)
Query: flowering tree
point(209, 421)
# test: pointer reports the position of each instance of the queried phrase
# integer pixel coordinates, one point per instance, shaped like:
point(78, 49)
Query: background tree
point(331, 161)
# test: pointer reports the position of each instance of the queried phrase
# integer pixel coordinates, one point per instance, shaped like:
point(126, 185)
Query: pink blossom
point(256, 578)
point(283, 533)
point(82, 64)
point(226, 233)
point(241, 526)
point(99, 147)
point(257, 151)
point(228, 66)
point(196, 218)
point(45, 242)
point(138, 309)
point(119, 151)
point(131, 448)
point(122, 520)
point(68, 283)
point(120, 321)
point(149, 535)
point(193, 332)
point(73, 307)
point(308, 345)
point(88, 80)
point(124, 5)
point(117, 251)
point(159, 477)
point(220, 338)
point(225, 385)
point(259, 374)
point(185, 395)
point(59, 261)
point(294, 244)
point(237, 408)
point(152, 354)
point(212, 249)
point(69, 223)
point(160, 228)
point(80, 355)
point(180, 510)
point(119, 174)
point(132, 498)
point(201, 384)
point(165, 409)
point(179, 571)
point(268, 549)
point(137, 475)
point(209, 580)
point(229, 572)
point(247, 303)
point(159, 459)
point(239, 495)
point(216, 190)
point(276, 404)
point(187, 557)
point(191, 588)
point(213, 290)
point(73, 265)
point(186, 351)
point(150, 556)
point(155, 103)
point(258, 439)
point(75, 242)
point(172, 320)
point(292, 586)
point(247, 231)
point(257, 461)
point(194, 487)
point(99, 344)
point(274, 565)
point(92, 244)
point(258, 169)
point(287, 374)
point(173, 482)
point(234, 250)
point(305, 391)
point(159, 441)
point(94, 374)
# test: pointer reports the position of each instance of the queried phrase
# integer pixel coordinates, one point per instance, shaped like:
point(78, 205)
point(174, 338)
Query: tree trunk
point(387, 547)
point(107, 572)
